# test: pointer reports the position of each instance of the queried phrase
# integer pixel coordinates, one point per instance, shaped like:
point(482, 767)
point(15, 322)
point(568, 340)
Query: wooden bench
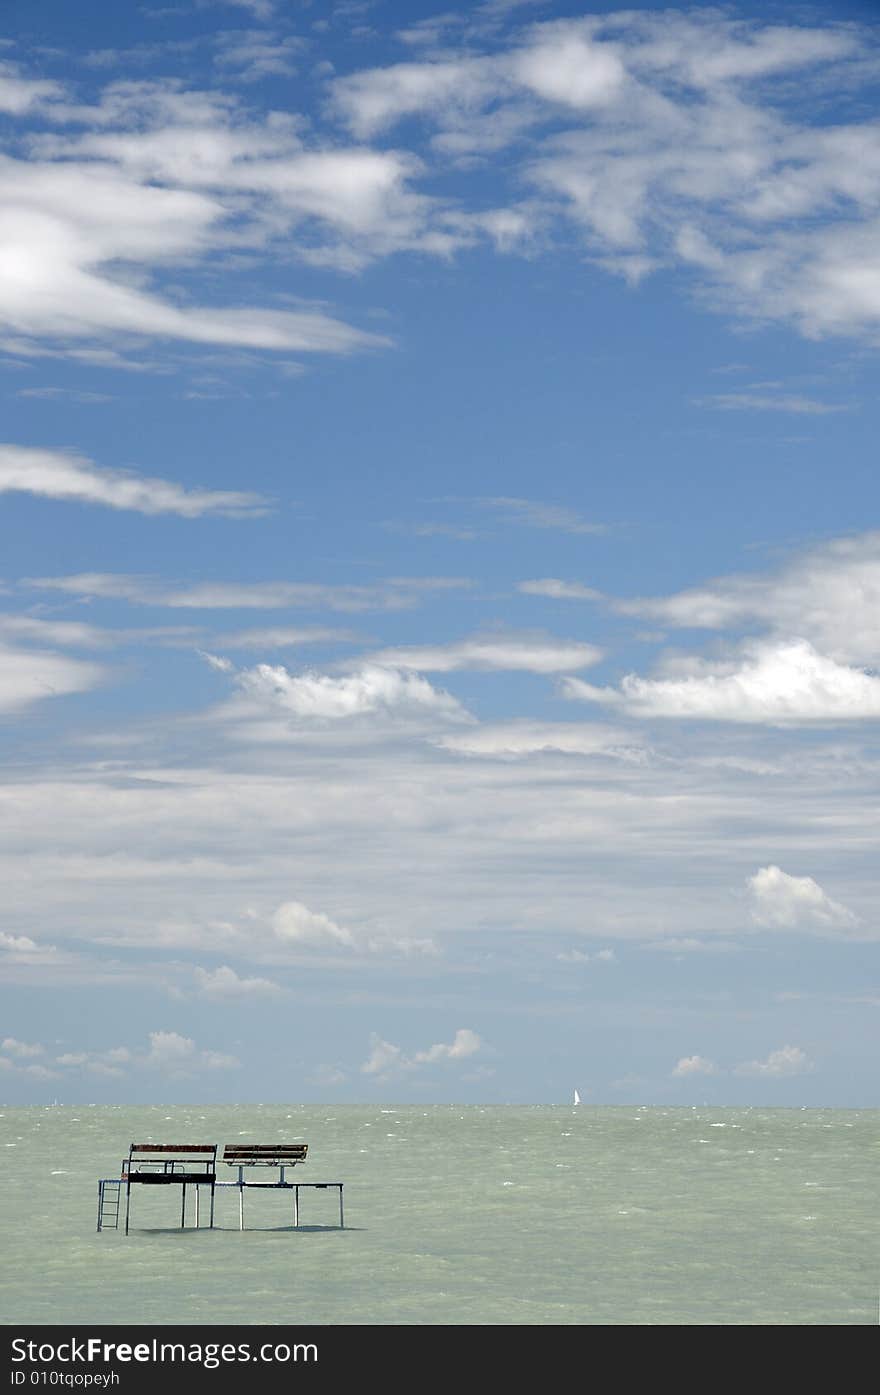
point(171, 1164)
point(282, 1156)
point(265, 1155)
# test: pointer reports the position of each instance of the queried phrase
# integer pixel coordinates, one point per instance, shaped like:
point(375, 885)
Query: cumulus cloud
point(779, 684)
point(53, 474)
point(386, 1060)
point(224, 982)
point(21, 1049)
point(530, 653)
point(169, 1053)
point(21, 949)
point(295, 924)
point(694, 1065)
point(35, 1070)
point(370, 691)
point(465, 1043)
point(567, 66)
point(781, 901)
point(787, 1060)
point(829, 594)
point(19, 94)
point(176, 1055)
point(112, 1063)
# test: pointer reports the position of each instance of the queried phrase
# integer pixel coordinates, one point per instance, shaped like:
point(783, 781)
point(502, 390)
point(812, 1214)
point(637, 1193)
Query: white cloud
point(694, 1065)
point(374, 99)
point(655, 135)
point(386, 1060)
point(569, 68)
point(152, 176)
point(176, 1055)
point(29, 675)
point(216, 662)
point(535, 514)
point(36, 1071)
point(110, 1063)
point(780, 901)
point(72, 632)
point(675, 152)
point(372, 690)
point(170, 1050)
point(465, 1043)
point(770, 402)
point(284, 637)
point(19, 95)
point(64, 223)
point(224, 982)
point(21, 1049)
point(248, 55)
point(782, 684)
point(522, 738)
point(558, 590)
point(531, 653)
point(169, 1053)
point(54, 474)
point(830, 594)
point(398, 593)
point(580, 956)
point(294, 923)
point(787, 1060)
point(22, 949)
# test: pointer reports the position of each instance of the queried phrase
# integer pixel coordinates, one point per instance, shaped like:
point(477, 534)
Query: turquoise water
point(458, 1215)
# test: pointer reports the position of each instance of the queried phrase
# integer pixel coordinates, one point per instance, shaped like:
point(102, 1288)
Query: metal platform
point(195, 1165)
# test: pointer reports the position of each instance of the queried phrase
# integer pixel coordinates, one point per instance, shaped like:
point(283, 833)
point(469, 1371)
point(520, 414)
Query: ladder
point(109, 1190)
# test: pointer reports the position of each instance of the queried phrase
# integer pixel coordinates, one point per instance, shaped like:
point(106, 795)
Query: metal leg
point(241, 1198)
point(212, 1205)
point(341, 1216)
point(296, 1208)
point(183, 1205)
point(127, 1202)
point(198, 1199)
point(100, 1202)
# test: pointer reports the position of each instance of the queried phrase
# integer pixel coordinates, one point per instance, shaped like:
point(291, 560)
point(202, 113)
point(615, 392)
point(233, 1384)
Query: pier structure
point(159, 1165)
point(195, 1165)
point(282, 1156)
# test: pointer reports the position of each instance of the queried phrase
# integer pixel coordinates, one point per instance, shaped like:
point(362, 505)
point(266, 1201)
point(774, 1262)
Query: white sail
point(577, 1098)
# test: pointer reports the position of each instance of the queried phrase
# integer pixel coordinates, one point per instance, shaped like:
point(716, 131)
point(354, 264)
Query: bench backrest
point(265, 1154)
point(172, 1157)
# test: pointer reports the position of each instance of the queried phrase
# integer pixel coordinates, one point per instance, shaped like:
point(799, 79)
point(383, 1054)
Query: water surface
point(457, 1215)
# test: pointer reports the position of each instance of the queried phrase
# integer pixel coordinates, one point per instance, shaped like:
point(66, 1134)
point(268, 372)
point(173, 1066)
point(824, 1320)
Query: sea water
point(455, 1215)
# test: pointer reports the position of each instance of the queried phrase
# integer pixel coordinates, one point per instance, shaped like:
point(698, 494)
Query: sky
point(440, 580)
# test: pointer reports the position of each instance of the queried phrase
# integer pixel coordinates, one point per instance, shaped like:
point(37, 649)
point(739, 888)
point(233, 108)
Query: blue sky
point(438, 608)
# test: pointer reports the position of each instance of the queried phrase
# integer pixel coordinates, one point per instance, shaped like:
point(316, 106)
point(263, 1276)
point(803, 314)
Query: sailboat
point(577, 1098)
